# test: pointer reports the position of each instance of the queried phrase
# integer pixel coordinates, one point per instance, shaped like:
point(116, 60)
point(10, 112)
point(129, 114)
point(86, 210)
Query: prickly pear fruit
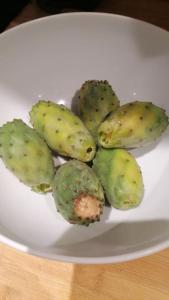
point(62, 130)
point(96, 101)
point(78, 193)
point(134, 124)
point(26, 154)
point(120, 176)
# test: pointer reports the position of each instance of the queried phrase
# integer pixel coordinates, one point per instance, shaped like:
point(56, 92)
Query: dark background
point(14, 12)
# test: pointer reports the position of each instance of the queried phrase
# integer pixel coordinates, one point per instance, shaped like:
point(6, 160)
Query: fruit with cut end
point(78, 193)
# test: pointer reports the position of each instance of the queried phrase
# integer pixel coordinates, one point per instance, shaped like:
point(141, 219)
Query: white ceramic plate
point(50, 58)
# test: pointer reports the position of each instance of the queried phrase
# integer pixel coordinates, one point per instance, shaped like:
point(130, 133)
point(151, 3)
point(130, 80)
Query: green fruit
point(62, 130)
point(26, 154)
point(78, 193)
point(134, 124)
point(120, 176)
point(97, 100)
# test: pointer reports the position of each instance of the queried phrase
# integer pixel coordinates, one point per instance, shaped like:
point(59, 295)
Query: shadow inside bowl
point(82, 234)
point(75, 103)
point(127, 238)
point(141, 151)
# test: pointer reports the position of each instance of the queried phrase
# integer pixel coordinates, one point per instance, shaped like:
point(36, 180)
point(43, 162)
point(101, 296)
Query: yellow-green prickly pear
point(78, 193)
point(63, 131)
point(134, 124)
point(120, 176)
point(96, 101)
point(26, 154)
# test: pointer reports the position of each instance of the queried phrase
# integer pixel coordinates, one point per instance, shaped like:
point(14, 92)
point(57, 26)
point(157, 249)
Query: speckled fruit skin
point(26, 154)
point(73, 180)
point(63, 131)
point(134, 124)
point(120, 176)
point(96, 101)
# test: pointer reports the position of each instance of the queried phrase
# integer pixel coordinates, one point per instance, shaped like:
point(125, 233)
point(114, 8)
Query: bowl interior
point(49, 59)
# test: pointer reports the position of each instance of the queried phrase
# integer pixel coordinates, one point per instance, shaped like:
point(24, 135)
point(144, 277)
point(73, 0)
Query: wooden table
point(23, 277)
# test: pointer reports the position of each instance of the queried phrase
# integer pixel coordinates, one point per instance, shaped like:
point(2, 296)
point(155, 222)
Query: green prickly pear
point(62, 130)
point(78, 193)
point(26, 154)
point(96, 101)
point(120, 176)
point(134, 124)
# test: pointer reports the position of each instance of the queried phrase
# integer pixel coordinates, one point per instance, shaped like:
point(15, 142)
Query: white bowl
point(50, 58)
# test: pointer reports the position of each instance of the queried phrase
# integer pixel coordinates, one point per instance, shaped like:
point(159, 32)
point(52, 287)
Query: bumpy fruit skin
point(26, 154)
point(134, 124)
point(96, 101)
point(120, 176)
point(78, 193)
point(62, 130)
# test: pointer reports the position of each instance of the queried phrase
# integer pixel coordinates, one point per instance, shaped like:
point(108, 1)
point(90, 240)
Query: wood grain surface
point(24, 277)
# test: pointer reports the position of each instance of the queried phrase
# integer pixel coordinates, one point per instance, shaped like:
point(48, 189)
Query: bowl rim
point(68, 14)
point(81, 259)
